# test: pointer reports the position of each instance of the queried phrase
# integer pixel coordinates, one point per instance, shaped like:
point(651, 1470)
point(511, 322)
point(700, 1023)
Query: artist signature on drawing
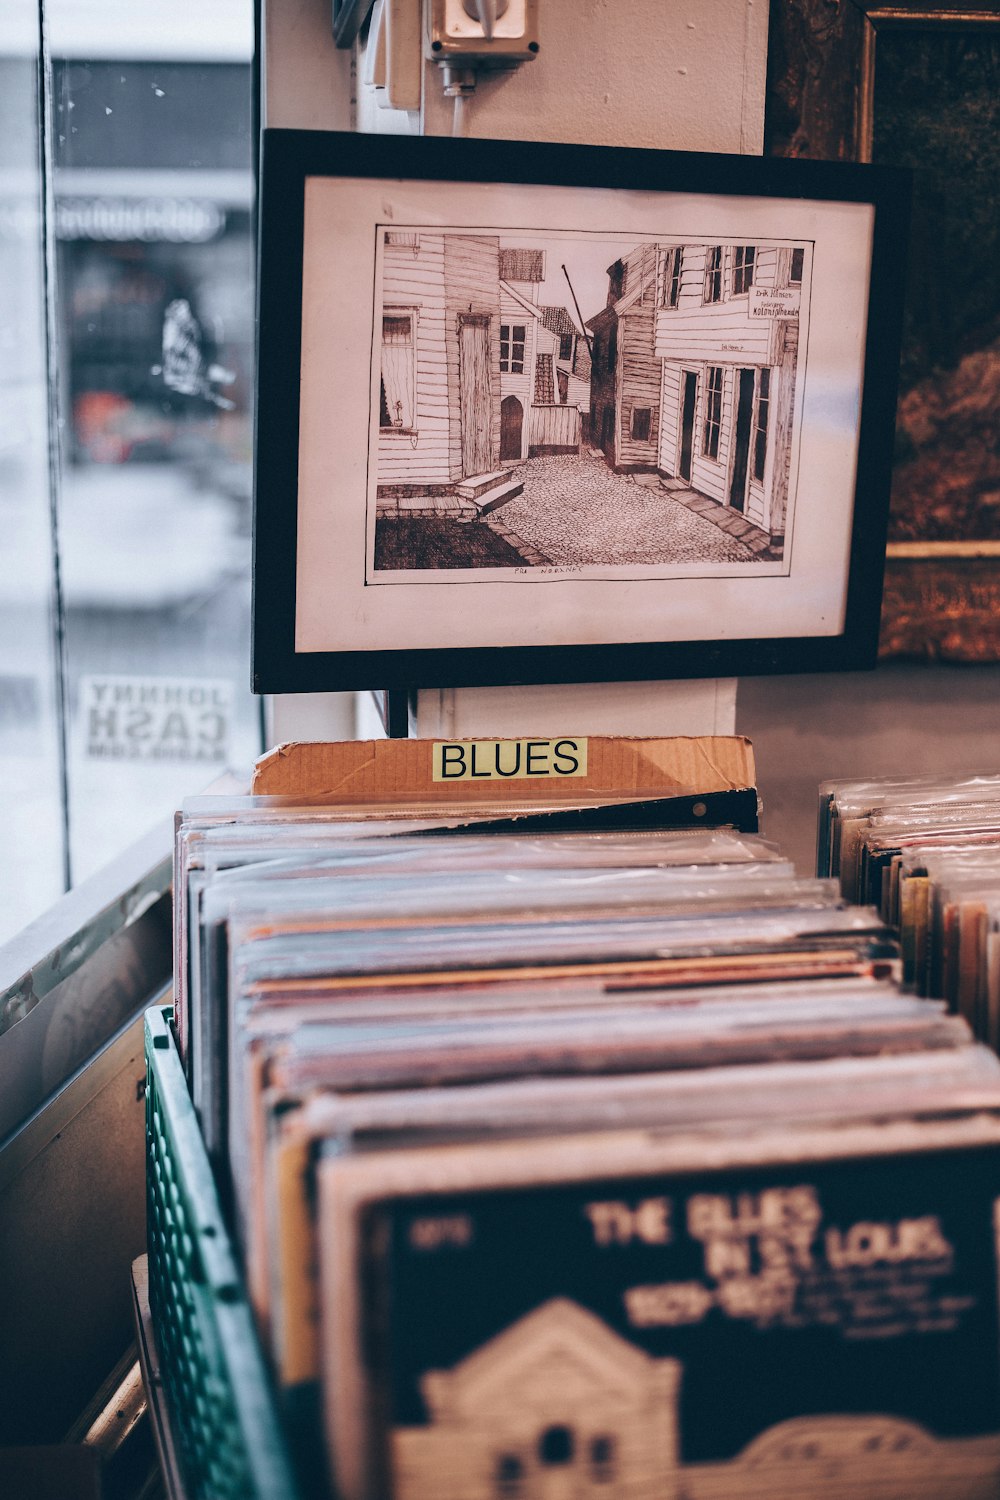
point(548, 572)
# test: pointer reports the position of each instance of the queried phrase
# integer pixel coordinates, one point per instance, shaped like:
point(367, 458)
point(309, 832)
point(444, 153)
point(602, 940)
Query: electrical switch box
point(482, 33)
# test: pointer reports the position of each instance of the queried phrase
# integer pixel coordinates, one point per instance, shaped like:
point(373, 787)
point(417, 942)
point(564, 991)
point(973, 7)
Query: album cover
point(741, 1328)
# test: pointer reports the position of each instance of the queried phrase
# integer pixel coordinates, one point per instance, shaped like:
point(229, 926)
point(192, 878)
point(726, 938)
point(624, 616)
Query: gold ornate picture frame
point(919, 84)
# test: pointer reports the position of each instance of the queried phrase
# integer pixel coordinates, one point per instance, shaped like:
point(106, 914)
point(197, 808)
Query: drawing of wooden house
point(626, 379)
point(440, 398)
point(519, 319)
point(537, 353)
point(694, 371)
point(727, 335)
point(565, 334)
point(556, 415)
point(570, 365)
point(579, 383)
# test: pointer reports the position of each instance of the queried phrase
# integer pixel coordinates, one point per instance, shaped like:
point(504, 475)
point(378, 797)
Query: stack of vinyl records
point(589, 1164)
point(927, 852)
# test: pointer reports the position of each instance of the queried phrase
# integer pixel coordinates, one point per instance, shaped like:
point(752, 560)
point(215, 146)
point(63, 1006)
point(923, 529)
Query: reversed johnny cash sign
point(806, 1330)
point(635, 402)
point(155, 718)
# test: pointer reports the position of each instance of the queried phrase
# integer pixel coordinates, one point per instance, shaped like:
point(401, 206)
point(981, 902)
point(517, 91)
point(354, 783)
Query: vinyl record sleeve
point(717, 1101)
point(745, 1321)
point(281, 1251)
point(617, 1040)
point(283, 1048)
point(767, 946)
point(282, 846)
point(845, 807)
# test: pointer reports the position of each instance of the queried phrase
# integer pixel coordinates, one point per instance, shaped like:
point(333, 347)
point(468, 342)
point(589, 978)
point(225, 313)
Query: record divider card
point(594, 781)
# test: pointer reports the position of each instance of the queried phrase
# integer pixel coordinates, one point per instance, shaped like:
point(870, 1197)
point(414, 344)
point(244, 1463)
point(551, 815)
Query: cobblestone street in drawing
point(575, 511)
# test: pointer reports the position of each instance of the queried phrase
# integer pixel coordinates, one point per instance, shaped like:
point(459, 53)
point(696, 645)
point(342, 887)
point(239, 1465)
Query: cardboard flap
point(576, 768)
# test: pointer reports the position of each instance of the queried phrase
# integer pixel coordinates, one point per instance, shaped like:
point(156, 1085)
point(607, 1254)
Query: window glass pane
point(398, 371)
point(713, 274)
point(760, 423)
point(672, 276)
point(641, 416)
point(743, 264)
point(30, 801)
point(713, 412)
point(153, 196)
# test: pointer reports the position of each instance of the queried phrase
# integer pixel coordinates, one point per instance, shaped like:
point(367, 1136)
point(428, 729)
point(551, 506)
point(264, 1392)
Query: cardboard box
point(574, 769)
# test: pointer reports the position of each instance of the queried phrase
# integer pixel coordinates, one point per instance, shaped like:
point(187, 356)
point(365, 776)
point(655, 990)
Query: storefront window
point(151, 347)
point(31, 808)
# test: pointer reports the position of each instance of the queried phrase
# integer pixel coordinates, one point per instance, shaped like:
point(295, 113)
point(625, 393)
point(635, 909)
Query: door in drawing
point(474, 392)
point(741, 440)
point(689, 400)
point(511, 423)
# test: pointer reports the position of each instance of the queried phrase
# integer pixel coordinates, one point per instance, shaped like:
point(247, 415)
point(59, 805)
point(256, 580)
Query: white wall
point(682, 74)
point(659, 73)
point(307, 83)
point(905, 718)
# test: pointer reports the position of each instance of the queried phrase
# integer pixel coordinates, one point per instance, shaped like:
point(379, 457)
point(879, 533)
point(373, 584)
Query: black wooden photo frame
point(552, 413)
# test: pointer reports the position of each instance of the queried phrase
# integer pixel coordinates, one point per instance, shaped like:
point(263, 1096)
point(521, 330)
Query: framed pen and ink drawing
point(568, 413)
point(918, 85)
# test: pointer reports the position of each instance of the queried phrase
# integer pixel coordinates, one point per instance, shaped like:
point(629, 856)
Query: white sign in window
point(156, 718)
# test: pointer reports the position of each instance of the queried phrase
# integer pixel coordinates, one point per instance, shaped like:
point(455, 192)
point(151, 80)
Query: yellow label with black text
point(509, 760)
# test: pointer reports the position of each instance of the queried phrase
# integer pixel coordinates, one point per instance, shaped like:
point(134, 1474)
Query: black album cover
point(821, 1329)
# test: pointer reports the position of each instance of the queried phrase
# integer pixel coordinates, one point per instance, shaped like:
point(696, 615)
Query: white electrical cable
point(459, 117)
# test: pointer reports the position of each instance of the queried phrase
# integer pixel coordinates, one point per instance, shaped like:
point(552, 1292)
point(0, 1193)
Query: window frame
point(640, 411)
point(511, 365)
point(713, 289)
point(141, 239)
point(711, 432)
point(399, 314)
point(744, 269)
point(673, 269)
point(762, 400)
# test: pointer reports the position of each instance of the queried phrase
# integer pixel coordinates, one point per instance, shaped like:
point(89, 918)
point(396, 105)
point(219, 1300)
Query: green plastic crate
point(220, 1400)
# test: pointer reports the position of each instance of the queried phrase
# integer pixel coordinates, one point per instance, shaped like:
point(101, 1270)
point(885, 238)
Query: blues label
point(509, 760)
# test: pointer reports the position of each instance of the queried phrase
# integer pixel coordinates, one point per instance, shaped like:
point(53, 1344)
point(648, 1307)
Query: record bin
point(221, 1405)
